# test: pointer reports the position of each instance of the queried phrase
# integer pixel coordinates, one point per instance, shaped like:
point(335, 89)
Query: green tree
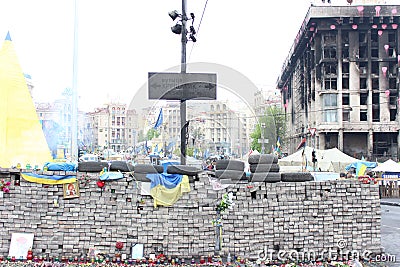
point(189, 151)
point(152, 133)
point(274, 123)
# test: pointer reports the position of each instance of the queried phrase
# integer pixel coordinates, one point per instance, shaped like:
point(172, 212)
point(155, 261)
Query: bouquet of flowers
point(4, 186)
point(226, 202)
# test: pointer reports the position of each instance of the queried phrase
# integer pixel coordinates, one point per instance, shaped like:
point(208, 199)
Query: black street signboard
point(182, 86)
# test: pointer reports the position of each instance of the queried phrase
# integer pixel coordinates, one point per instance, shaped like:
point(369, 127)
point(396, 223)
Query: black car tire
point(263, 159)
point(229, 164)
point(297, 177)
point(148, 168)
point(141, 177)
point(229, 174)
point(122, 166)
point(92, 166)
point(268, 177)
point(264, 167)
point(183, 169)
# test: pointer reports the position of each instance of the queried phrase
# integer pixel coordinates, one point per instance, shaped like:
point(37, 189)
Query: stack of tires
point(230, 171)
point(297, 177)
point(190, 171)
point(264, 168)
point(141, 170)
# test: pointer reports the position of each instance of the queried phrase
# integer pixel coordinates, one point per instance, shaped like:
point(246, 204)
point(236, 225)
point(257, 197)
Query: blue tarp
point(107, 176)
point(60, 166)
point(356, 165)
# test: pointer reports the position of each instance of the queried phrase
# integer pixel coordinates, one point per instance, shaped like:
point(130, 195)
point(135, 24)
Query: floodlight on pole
point(174, 14)
point(177, 28)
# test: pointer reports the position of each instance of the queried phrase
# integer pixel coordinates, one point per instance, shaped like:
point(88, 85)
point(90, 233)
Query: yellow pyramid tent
point(21, 137)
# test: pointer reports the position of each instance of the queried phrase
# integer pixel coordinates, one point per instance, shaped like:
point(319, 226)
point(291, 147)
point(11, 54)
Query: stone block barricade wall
point(307, 216)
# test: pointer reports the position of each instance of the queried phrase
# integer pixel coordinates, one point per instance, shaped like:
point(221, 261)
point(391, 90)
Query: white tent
point(387, 166)
point(330, 160)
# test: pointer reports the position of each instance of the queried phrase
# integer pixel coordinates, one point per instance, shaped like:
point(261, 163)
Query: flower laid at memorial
point(170, 262)
point(5, 186)
point(226, 202)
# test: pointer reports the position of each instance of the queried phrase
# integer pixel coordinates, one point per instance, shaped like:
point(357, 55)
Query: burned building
point(341, 79)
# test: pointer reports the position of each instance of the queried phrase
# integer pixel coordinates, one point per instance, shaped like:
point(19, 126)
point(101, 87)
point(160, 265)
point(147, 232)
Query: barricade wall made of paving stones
point(310, 216)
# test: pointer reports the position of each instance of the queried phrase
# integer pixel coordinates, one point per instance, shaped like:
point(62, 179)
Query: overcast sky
point(120, 41)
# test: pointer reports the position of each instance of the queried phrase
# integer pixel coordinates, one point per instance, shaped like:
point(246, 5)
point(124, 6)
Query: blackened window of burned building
point(374, 52)
point(363, 83)
point(329, 69)
point(345, 44)
point(375, 107)
point(330, 83)
point(375, 83)
point(393, 113)
point(329, 45)
point(330, 52)
point(362, 37)
point(392, 37)
point(363, 68)
point(392, 83)
point(345, 68)
point(375, 67)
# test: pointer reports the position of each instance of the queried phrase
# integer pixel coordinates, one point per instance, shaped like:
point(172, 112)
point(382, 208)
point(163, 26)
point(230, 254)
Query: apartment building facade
point(111, 127)
point(341, 77)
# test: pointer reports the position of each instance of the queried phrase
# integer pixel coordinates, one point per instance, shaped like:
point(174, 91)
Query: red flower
point(119, 245)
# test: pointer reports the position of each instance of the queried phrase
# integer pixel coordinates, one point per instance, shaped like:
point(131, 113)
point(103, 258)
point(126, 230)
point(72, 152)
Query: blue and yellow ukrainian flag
point(48, 179)
point(166, 189)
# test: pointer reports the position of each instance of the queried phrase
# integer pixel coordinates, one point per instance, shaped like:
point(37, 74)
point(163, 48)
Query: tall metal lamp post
point(181, 29)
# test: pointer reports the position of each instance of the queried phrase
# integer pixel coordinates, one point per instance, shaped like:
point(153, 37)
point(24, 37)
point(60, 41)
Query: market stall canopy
point(388, 166)
point(331, 160)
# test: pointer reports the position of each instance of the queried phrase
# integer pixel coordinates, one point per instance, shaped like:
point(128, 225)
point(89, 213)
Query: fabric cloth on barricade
point(48, 179)
point(166, 189)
